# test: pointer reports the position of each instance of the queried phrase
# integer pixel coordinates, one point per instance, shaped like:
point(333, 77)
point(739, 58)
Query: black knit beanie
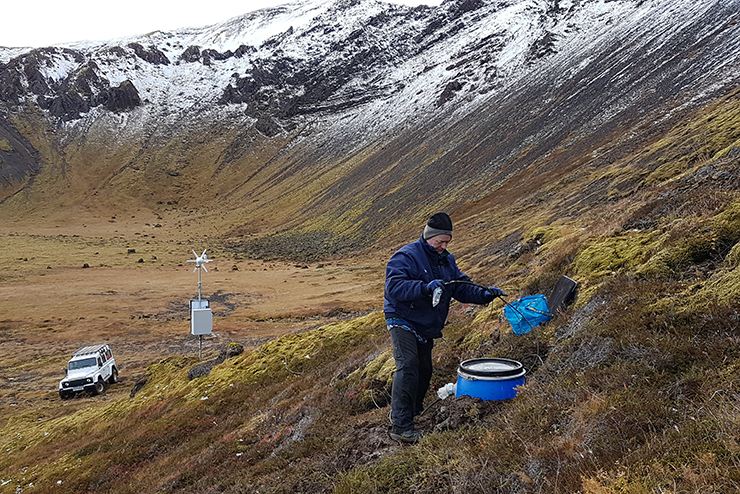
point(439, 224)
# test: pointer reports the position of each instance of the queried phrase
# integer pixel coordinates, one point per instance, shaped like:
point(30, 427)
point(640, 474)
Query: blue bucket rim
point(510, 369)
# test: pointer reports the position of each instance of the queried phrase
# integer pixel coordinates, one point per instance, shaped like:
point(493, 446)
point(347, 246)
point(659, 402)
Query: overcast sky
point(39, 23)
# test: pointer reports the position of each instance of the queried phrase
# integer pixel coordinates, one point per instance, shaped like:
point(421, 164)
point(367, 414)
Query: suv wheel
point(113, 379)
point(99, 386)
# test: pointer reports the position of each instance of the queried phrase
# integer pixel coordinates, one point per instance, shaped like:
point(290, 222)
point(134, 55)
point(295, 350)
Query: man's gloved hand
point(493, 293)
point(430, 287)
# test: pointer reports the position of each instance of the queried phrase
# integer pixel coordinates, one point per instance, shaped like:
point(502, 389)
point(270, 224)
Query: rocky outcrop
point(191, 54)
point(152, 54)
point(22, 77)
point(66, 106)
point(73, 104)
point(117, 99)
point(449, 92)
point(33, 78)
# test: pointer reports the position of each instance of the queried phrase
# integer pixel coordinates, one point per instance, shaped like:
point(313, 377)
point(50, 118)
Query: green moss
point(699, 142)
point(381, 368)
point(370, 386)
point(346, 224)
point(545, 234)
point(167, 378)
point(722, 289)
point(727, 225)
point(236, 347)
point(318, 347)
point(732, 260)
point(626, 251)
point(711, 240)
point(487, 326)
point(658, 254)
point(5, 146)
point(296, 353)
point(693, 250)
point(391, 474)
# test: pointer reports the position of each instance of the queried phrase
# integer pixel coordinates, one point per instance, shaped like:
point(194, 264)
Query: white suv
point(89, 369)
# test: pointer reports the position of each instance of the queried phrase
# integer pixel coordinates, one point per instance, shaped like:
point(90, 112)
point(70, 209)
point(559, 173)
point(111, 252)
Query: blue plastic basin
point(489, 378)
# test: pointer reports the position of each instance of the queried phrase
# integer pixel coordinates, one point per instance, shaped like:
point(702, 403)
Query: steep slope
point(353, 111)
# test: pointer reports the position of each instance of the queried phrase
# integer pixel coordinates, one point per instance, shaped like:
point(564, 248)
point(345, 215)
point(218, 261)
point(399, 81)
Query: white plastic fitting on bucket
point(448, 389)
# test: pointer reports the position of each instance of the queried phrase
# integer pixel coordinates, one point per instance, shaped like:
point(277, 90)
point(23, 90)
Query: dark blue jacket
point(406, 275)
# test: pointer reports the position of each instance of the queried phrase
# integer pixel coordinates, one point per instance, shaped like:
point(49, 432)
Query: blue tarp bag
point(526, 313)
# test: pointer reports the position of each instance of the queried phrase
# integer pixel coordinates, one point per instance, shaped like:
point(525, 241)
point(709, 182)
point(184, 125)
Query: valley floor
point(65, 287)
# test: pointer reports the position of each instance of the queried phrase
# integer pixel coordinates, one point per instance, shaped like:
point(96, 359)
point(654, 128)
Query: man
point(412, 275)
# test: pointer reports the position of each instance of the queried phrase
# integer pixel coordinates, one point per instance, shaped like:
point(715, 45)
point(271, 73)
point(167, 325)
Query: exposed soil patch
point(455, 413)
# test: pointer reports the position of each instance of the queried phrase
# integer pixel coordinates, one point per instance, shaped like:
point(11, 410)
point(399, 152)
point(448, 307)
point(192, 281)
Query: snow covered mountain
point(364, 106)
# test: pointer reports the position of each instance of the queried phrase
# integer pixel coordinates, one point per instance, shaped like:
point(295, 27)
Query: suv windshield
point(79, 364)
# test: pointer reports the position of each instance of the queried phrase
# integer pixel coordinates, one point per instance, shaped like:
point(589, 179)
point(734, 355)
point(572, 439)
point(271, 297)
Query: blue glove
point(429, 288)
point(493, 293)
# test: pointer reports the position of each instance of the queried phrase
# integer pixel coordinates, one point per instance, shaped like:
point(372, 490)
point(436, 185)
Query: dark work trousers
point(411, 379)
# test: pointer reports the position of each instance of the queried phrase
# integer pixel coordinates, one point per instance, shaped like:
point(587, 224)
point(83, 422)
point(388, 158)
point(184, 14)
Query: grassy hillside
point(633, 390)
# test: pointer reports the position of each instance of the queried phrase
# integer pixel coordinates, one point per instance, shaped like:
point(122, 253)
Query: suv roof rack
point(85, 350)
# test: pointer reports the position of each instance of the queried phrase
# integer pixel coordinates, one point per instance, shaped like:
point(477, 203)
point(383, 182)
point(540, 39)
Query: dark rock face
point(67, 106)
point(36, 82)
point(191, 54)
point(285, 87)
point(194, 54)
point(22, 82)
point(138, 385)
point(117, 99)
point(74, 104)
point(152, 54)
point(210, 55)
point(244, 50)
point(449, 92)
point(18, 158)
point(275, 88)
point(467, 6)
point(87, 80)
point(11, 86)
point(267, 126)
point(543, 47)
point(25, 70)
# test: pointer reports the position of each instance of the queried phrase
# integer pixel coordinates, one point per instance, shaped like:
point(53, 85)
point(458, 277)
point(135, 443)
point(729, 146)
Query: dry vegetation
point(633, 390)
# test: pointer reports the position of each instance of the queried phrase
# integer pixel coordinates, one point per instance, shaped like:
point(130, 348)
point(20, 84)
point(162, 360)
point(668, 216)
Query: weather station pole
point(201, 317)
point(200, 336)
point(200, 285)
